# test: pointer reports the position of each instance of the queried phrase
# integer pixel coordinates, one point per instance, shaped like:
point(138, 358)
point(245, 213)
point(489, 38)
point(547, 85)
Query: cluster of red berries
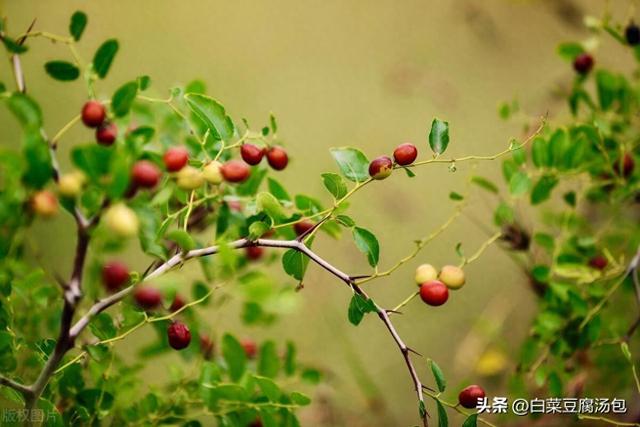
point(94, 115)
point(434, 285)
point(404, 155)
point(583, 63)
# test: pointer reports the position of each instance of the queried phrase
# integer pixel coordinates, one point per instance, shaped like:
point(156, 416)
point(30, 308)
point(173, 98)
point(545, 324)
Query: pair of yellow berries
point(451, 275)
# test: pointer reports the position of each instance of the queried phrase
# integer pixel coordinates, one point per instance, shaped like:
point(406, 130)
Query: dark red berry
point(175, 158)
point(147, 297)
point(626, 168)
point(302, 227)
point(598, 262)
point(178, 303)
point(469, 396)
point(256, 423)
point(277, 158)
point(632, 34)
point(93, 114)
point(106, 133)
point(145, 174)
point(114, 275)
point(252, 154)
point(254, 252)
point(206, 346)
point(235, 171)
point(583, 63)
point(434, 293)
point(405, 154)
point(179, 335)
point(250, 347)
point(381, 167)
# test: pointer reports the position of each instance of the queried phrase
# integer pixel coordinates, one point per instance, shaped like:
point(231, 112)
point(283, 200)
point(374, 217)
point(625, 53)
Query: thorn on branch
point(413, 351)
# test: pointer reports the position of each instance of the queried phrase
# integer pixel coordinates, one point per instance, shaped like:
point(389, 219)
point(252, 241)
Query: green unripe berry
point(425, 273)
point(452, 276)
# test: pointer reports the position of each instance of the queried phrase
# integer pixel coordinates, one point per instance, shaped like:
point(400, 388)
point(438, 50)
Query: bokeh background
point(346, 72)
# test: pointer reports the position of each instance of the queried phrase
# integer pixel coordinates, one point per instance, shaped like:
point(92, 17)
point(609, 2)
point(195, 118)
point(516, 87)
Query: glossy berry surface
point(469, 396)
point(583, 63)
point(178, 303)
point(147, 297)
point(598, 262)
point(250, 347)
point(405, 154)
point(106, 133)
point(145, 174)
point(380, 168)
point(179, 335)
point(434, 293)
point(175, 158)
point(114, 275)
point(235, 171)
point(93, 114)
point(254, 252)
point(251, 154)
point(277, 158)
point(452, 276)
point(627, 167)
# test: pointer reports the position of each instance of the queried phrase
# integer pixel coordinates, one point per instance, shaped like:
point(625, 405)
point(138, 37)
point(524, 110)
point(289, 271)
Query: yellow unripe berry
point(70, 185)
point(44, 203)
point(452, 276)
point(426, 273)
point(121, 220)
point(212, 174)
point(189, 178)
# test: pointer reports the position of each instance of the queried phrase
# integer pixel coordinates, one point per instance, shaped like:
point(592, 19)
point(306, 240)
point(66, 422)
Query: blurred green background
point(345, 72)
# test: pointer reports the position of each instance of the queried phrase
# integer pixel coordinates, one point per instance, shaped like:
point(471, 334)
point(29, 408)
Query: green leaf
point(542, 190)
point(295, 263)
point(36, 151)
point(234, 356)
point(441, 382)
point(123, 98)
point(143, 82)
point(443, 419)
point(104, 57)
point(278, 190)
point(212, 114)
point(368, 244)
point(62, 70)
point(519, 184)
point(345, 221)
point(335, 184)
point(456, 196)
point(471, 421)
point(485, 184)
point(182, 238)
point(540, 152)
point(26, 110)
point(299, 398)
point(269, 388)
point(569, 50)
point(13, 46)
point(102, 326)
point(358, 307)
point(257, 229)
point(624, 347)
point(608, 85)
point(268, 362)
point(92, 159)
point(290, 359)
point(270, 205)
point(504, 214)
point(439, 136)
point(353, 164)
point(77, 25)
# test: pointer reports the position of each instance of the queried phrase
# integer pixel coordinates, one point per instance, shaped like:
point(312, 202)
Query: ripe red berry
point(583, 63)
point(254, 252)
point(626, 168)
point(469, 396)
point(256, 423)
point(250, 347)
point(178, 303)
point(147, 297)
point(235, 171)
point(277, 158)
point(251, 154)
point(114, 275)
point(405, 154)
point(598, 262)
point(381, 167)
point(632, 34)
point(93, 114)
point(175, 158)
point(206, 346)
point(106, 133)
point(179, 335)
point(145, 174)
point(302, 227)
point(434, 293)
